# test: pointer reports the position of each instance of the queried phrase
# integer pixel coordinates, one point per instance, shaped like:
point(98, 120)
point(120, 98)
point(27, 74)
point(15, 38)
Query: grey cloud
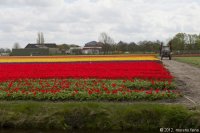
point(37, 3)
point(78, 21)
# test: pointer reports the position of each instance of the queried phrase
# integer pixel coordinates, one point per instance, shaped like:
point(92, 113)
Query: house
point(91, 50)
point(45, 45)
point(4, 54)
point(75, 50)
point(92, 47)
point(37, 49)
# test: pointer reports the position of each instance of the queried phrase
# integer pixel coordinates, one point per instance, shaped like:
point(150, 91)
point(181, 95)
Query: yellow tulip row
point(77, 58)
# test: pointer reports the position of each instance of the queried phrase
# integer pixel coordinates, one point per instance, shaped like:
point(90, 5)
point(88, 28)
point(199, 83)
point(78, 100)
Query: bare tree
point(7, 50)
point(40, 38)
point(107, 42)
point(2, 50)
point(16, 45)
point(106, 39)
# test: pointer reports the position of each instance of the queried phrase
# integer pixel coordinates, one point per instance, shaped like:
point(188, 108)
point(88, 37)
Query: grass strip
point(96, 116)
point(195, 61)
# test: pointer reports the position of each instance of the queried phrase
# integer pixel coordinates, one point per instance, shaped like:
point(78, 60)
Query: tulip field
point(82, 78)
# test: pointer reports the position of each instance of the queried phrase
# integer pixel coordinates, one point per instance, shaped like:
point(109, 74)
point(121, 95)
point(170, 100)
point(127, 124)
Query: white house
point(91, 50)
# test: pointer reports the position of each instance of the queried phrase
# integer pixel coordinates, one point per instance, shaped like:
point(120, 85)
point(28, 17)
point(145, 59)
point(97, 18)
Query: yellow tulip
point(77, 58)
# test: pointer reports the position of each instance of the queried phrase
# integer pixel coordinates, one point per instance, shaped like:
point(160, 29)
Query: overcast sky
point(81, 21)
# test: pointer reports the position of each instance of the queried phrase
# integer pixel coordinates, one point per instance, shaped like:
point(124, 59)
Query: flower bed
point(108, 70)
point(85, 78)
point(77, 58)
point(87, 89)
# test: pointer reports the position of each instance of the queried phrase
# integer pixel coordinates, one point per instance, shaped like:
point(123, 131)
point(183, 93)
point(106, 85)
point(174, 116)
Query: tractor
point(166, 51)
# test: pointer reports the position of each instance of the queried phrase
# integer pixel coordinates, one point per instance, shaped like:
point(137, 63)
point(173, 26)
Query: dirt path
point(187, 78)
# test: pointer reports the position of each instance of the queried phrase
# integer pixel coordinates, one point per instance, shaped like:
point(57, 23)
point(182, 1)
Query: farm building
point(75, 50)
point(37, 50)
point(92, 47)
point(91, 50)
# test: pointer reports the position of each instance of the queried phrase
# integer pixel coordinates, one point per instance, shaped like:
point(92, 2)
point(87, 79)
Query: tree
point(133, 47)
point(107, 43)
point(197, 43)
point(183, 41)
point(40, 38)
point(178, 42)
point(149, 46)
point(7, 50)
point(122, 46)
point(16, 45)
point(2, 50)
point(63, 46)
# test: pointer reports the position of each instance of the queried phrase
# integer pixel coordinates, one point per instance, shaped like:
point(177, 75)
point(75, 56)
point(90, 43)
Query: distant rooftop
point(93, 44)
point(84, 48)
point(45, 45)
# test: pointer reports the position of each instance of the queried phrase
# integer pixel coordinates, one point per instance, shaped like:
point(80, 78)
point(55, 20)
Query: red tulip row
point(99, 70)
point(85, 89)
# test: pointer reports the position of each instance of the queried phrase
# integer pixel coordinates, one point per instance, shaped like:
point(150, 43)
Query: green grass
point(95, 116)
point(195, 61)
